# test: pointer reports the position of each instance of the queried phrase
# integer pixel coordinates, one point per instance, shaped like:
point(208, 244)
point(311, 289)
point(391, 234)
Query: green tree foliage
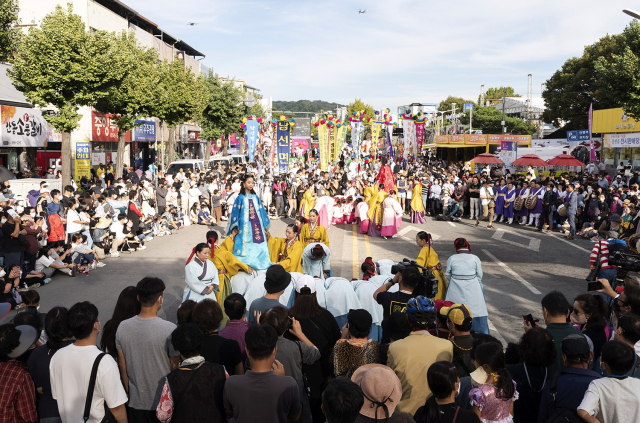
point(132, 96)
point(496, 93)
point(223, 111)
point(489, 120)
point(620, 73)
point(178, 98)
point(357, 106)
point(447, 104)
point(576, 85)
point(9, 33)
point(315, 106)
point(63, 65)
point(257, 110)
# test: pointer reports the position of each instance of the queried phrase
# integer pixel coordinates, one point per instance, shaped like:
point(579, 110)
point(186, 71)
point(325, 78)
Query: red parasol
point(487, 158)
point(564, 160)
point(530, 160)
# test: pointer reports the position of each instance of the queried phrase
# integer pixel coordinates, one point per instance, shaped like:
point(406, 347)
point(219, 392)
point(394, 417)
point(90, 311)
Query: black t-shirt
point(393, 302)
point(11, 244)
point(474, 194)
point(447, 413)
point(216, 349)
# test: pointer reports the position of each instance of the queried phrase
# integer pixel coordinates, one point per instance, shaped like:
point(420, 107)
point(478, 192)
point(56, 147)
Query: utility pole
point(504, 100)
point(481, 96)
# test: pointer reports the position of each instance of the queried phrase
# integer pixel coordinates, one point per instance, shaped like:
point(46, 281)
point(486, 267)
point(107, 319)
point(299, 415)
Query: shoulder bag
point(305, 381)
point(108, 417)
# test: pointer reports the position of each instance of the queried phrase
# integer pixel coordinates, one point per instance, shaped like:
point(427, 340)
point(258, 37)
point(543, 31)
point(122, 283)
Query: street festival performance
point(383, 266)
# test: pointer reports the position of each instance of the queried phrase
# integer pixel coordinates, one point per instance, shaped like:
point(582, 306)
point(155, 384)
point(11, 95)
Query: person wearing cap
point(459, 319)
point(411, 357)
point(487, 202)
point(382, 392)
point(277, 280)
point(354, 348)
point(613, 398)
point(18, 398)
point(442, 323)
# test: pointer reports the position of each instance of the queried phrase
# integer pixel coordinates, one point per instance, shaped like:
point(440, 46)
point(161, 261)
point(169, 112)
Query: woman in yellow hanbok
point(376, 211)
point(429, 258)
point(313, 231)
point(287, 251)
point(308, 202)
point(417, 208)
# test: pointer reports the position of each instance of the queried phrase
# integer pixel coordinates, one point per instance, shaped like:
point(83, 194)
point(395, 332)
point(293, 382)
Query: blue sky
point(398, 52)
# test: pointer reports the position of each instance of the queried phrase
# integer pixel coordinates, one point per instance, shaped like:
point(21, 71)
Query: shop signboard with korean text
point(612, 121)
point(82, 161)
point(193, 136)
point(103, 128)
point(622, 140)
point(22, 127)
point(146, 131)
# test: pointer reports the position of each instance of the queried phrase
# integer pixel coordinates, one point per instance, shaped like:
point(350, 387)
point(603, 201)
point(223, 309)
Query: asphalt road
point(520, 265)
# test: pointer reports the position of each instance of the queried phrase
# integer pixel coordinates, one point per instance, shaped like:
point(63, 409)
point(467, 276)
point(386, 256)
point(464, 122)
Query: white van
point(239, 158)
point(194, 165)
point(223, 160)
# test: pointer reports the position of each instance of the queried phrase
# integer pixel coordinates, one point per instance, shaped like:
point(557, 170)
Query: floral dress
point(493, 409)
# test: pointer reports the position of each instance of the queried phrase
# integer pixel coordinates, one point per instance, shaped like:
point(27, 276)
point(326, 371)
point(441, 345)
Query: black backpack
point(561, 414)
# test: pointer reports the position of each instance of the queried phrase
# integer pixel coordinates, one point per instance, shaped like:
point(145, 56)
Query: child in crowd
point(216, 209)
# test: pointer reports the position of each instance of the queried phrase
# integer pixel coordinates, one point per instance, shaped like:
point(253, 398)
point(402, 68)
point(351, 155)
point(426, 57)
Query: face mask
point(2, 273)
point(478, 376)
point(32, 214)
point(3, 220)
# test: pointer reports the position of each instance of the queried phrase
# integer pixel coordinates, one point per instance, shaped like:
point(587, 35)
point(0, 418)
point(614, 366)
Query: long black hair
point(442, 377)
point(243, 190)
point(126, 307)
point(493, 356)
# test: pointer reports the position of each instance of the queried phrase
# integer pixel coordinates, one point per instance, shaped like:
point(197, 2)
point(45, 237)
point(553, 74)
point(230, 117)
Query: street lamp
point(633, 13)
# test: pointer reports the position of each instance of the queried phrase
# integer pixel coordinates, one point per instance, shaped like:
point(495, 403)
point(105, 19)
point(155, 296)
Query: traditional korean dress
point(524, 193)
point(228, 266)
point(252, 221)
point(391, 217)
point(287, 253)
point(429, 258)
point(509, 198)
point(375, 213)
point(362, 214)
point(308, 202)
point(417, 207)
point(313, 233)
point(537, 210)
point(500, 199)
point(198, 276)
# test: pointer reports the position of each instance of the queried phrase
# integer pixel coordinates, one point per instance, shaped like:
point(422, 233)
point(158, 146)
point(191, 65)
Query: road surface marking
point(451, 223)
point(560, 238)
point(512, 273)
point(495, 333)
point(356, 260)
point(405, 230)
point(367, 246)
point(534, 243)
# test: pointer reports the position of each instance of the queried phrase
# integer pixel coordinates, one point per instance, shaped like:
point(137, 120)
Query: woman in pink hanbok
point(391, 216)
point(362, 215)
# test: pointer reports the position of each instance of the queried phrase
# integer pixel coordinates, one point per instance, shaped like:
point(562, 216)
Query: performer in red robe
point(386, 177)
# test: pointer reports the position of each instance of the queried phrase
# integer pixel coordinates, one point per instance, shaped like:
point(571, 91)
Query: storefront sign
point(623, 140)
point(474, 139)
point(613, 120)
point(145, 132)
point(23, 127)
point(82, 164)
point(456, 139)
point(442, 139)
point(103, 128)
point(193, 136)
point(523, 140)
point(581, 135)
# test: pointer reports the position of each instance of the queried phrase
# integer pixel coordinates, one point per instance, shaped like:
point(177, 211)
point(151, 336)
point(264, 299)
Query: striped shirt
point(604, 255)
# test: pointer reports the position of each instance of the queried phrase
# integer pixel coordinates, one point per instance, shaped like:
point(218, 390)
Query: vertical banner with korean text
point(592, 145)
point(419, 136)
point(82, 161)
point(323, 144)
point(409, 133)
point(284, 146)
point(341, 135)
point(375, 135)
point(389, 145)
point(251, 131)
point(333, 132)
point(355, 138)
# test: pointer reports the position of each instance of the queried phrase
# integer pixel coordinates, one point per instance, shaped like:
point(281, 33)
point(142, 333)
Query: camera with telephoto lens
point(428, 284)
point(628, 262)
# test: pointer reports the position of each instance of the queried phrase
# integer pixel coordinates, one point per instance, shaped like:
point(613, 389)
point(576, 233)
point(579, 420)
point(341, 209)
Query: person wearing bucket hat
point(411, 357)
point(18, 399)
point(276, 282)
point(382, 392)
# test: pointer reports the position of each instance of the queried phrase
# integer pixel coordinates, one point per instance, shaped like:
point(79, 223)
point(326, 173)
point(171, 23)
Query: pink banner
point(272, 152)
point(593, 157)
point(419, 135)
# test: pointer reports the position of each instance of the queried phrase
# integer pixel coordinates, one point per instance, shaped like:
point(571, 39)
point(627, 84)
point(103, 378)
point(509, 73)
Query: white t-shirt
point(70, 371)
point(118, 228)
point(611, 399)
point(486, 192)
point(72, 217)
point(43, 262)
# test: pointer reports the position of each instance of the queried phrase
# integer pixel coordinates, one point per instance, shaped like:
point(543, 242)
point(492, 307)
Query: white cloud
point(398, 52)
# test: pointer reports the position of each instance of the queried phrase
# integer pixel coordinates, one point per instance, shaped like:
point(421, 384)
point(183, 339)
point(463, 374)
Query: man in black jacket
point(548, 203)
point(161, 197)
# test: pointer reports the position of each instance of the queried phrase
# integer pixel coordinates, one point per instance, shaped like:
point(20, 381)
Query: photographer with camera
point(407, 279)
point(464, 273)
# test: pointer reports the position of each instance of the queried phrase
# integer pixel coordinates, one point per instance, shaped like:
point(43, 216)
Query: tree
point(448, 104)
point(489, 120)
point(619, 73)
point(9, 32)
point(496, 93)
point(177, 99)
point(571, 90)
point(132, 96)
point(257, 110)
point(63, 65)
point(357, 106)
point(223, 111)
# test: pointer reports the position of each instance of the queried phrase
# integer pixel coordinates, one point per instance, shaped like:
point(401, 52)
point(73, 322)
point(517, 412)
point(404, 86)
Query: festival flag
point(333, 132)
point(283, 146)
point(592, 145)
point(389, 129)
point(375, 135)
point(409, 135)
point(341, 136)
point(419, 136)
point(251, 134)
point(323, 144)
point(355, 138)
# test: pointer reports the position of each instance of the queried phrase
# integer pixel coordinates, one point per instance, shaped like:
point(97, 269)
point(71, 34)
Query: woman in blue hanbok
point(249, 216)
point(200, 275)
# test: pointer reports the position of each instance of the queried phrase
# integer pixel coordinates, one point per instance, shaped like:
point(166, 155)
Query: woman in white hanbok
point(200, 275)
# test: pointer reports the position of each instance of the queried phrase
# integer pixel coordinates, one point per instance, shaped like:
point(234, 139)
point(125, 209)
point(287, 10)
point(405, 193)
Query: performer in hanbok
point(287, 251)
point(509, 198)
point(536, 212)
point(227, 264)
point(338, 214)
point(316, 261)
point(362, 215)
point(348, 212)
point(252, 221)
point(429, 258)
point(501, 192)
point(417, 206)
point(200, 275)
point(313, 231)
point(376, 211)
point(391, 217)
point(308, 202)
point(385, 177)
point(524, 212)
point(324, 207)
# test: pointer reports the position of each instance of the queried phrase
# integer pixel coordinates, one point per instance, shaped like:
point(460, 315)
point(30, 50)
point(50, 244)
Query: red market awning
point(564, 160)
point(530, 160)
point(487, 158)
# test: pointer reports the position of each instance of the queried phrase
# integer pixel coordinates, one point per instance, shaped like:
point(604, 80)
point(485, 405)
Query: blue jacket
point(571, 386)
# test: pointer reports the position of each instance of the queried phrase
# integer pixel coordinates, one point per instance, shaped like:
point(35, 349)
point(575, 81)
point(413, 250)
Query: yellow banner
point(375, 135)
point(613, 121)
point(442, 139)
point(333, 132)
point(83, 161)
point(340, 137)
point(456, 139)
point(473, 139)
point(323, 144)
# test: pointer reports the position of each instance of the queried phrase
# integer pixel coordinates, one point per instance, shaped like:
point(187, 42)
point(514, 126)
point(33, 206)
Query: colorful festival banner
point(356, 133)
point(272, 151)
point(409, 132)
point(331, 152)
point(419, 134)
point(341, 136)
point(508, 152)
point(251, 133)
point(82, 161)
point(323, 145)
point(592, 146)
point(375, 135)
point(284, 146)
point(389, 145)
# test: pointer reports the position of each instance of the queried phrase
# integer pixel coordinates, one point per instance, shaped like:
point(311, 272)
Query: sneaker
point(100, 264)
point(20, 306)
point(149, 239)
point(34, 286)
point(143, 247)
point(115, 254)
point(47, 280)
point(223, 218)
point(92, 266)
